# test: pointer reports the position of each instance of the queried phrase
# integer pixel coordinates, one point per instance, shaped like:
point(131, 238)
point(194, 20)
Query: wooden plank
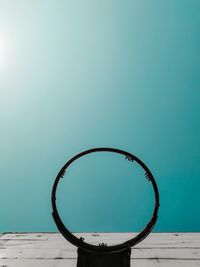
point(154, 240)
point(114, 236)
point(139, 253)
point(52, 250)
point(72, 263)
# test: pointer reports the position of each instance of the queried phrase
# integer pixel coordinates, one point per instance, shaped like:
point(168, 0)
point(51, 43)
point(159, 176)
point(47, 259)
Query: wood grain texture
point(52, 250)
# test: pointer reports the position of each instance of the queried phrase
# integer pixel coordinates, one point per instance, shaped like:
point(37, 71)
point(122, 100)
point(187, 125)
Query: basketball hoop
point(102, 255)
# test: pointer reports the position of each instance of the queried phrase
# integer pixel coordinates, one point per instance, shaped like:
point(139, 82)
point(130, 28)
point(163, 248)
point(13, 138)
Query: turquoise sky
point(81, 74)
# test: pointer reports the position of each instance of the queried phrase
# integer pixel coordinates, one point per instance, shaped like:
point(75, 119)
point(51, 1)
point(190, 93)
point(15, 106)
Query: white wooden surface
point(52, 250)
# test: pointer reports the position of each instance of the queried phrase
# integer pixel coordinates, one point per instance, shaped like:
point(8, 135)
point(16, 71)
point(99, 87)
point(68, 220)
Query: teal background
point(81, 74)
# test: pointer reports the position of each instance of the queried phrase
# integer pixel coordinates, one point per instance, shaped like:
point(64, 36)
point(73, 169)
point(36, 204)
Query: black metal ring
point(79, 242)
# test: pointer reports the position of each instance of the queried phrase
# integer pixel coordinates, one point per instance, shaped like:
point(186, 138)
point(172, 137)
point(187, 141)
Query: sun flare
point(2, 51)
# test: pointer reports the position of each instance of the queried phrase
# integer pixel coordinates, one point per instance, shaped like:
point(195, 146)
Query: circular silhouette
point(103, 247)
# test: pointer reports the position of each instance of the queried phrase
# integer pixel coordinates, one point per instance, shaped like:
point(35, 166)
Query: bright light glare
point(2, 51)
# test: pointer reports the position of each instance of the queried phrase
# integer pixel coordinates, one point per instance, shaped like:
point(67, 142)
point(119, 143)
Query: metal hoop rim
point(79, 242)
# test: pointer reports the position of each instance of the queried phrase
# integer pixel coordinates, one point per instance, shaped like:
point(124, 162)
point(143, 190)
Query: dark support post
point(88, 258)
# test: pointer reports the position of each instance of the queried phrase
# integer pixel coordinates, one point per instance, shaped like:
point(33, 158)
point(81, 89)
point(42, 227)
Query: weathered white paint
point(72, 263)
point(52, 250)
